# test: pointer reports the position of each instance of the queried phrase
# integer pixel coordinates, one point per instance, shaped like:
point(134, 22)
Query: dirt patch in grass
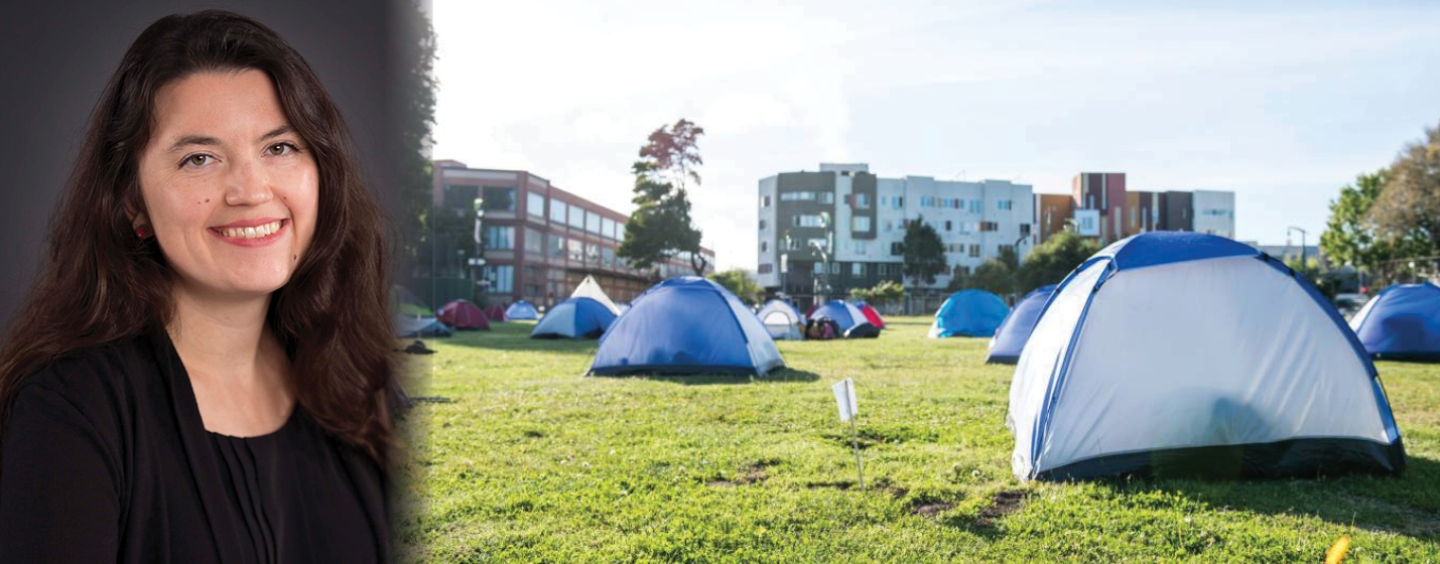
point(431, 399)
point(931, 509)
point(838, 485)
point(750, 474)
point(1005, 503)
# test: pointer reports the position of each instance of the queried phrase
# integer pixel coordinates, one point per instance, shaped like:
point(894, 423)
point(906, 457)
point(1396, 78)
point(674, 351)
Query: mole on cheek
point(207, 200)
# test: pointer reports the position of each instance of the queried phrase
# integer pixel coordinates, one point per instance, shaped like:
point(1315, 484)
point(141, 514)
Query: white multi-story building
point(847, 217)
point(1214, 212)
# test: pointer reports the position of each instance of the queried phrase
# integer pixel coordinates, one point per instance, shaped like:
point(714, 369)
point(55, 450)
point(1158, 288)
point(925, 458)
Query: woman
point(203, 371)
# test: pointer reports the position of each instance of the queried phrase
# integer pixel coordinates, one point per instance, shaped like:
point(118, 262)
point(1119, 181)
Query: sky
point(1283, 104)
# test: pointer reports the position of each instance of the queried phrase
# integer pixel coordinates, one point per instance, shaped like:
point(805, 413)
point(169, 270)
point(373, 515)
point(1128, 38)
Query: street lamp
point(1302, 242)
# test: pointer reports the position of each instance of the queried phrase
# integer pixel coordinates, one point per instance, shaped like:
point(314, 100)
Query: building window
point(766, 268)
point(827, 197)
point(861, 223)
point(860, 247)
point(862, 201)
point(764, 201)
point(1024, 229)
point(857, 269)
point(796, 196)
point(974, 250)
point(557, 211)
point(948, 226)
point(575, 249)
point(764, 246)
point(501, 277)
point(592, 252)
point(499, 199)
point(577, 217)
point(619, 231)
point(762, 224)
point(1001, 248)
point(792, 244)
point(1003, 205)
point(607, 228)
point(500, 238)
point(556, 246)
point(817, 244)
point(607, 256)
point(897, 249)
point(818, 268)
point(534, 241)
point(987, 226)
point(592, 222)
point(803, 220)
point(535, 204)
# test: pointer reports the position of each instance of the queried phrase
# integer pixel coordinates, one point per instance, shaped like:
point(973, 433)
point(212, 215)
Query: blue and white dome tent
point(521, 310)
point(1174, 353)
point(687, 325)
point(782, 320)
point(1401, 323)
point(575, 318)
point(1010, 338)
point(852, 322)
point(969, 313)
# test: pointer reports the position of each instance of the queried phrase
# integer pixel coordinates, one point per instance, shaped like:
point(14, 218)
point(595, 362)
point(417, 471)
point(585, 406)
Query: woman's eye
point(197, 160)
point(280, 148)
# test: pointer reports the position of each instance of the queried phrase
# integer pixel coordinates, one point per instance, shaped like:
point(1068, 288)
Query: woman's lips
point(257, 236)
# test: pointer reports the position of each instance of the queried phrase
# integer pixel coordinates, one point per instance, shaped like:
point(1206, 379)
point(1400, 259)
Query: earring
point(142, 231)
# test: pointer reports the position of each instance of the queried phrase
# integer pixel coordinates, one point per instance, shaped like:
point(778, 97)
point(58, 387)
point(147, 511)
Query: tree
point(924, 253)
point(1050, 262)
point(416, 89)
point(999, 275)
point(1407, 210)
point(741, 284)
point(885, 293)
point(1352, 237)
point(660, 227)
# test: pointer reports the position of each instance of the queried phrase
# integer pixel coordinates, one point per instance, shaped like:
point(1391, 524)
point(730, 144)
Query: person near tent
point(209, 339)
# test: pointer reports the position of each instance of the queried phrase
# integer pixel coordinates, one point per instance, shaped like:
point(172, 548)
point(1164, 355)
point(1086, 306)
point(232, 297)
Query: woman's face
point(230, 189)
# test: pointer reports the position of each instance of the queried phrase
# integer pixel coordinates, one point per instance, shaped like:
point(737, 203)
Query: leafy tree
point(993, 276)
point(924, 253)
point(660, 227)
point(885, 293)
point(1407, 210)
point(1352, 237)
point(739, 282)
point(416, 89)
point(1050, 262)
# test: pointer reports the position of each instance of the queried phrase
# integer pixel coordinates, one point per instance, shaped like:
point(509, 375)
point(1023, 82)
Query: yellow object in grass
point(1337, 551)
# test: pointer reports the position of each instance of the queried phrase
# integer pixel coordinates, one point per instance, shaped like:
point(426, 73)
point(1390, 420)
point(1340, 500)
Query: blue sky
point(1282, 103)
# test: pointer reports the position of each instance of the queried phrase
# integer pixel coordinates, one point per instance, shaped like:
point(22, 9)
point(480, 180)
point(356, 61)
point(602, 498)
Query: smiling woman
point(203, 372)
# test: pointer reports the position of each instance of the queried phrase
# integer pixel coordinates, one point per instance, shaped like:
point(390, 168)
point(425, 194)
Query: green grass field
point(525, 460)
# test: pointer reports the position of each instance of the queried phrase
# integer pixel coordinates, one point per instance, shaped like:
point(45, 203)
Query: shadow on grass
point(781, 376)
point(1408, 505)
point(515, 336)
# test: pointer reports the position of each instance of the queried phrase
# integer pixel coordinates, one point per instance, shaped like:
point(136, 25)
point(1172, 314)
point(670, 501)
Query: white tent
point(782, 320)
point(1174, 353)
point(589, 288)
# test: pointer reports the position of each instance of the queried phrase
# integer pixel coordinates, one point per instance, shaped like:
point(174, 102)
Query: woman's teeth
point(252, 232)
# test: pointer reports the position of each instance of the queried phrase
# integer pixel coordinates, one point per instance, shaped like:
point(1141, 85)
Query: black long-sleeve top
point(105, 459)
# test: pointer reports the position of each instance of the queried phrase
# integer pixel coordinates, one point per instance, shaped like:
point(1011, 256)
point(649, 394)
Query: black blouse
point(105, 459)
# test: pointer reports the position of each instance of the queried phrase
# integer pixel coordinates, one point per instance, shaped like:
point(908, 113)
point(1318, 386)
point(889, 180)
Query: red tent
point(462, 314)
point(872, 315)
point(495, 313)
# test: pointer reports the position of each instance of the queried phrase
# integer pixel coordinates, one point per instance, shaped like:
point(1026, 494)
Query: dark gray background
point(55, 58)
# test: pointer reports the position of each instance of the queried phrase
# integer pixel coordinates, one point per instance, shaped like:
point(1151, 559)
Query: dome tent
point(687, 325)
point(1012, 334)
point(871, 314)
point(416, 326)
point(782, 320)
point(575, 318)
point(521, 310)
point(1176, 353)
point(461, 314)
point(1401, 323)
point(589, 288)
point(969, 313)
point(495, 313)
point(852, 322)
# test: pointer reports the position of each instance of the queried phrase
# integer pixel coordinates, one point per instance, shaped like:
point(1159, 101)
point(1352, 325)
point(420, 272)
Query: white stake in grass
point(845, 397)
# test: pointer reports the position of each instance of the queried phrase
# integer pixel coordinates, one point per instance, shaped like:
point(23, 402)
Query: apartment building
point(539, 241)
point(823, 233)
point(1102, 206)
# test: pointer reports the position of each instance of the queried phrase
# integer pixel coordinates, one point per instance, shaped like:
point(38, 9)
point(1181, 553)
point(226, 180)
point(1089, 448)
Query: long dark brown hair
point(101, 283)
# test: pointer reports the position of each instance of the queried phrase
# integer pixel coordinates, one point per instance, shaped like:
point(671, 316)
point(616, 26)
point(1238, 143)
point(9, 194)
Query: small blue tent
point(687, 325)
point(521, 310)
point(575, 318)
point(852, 322)
point(969, 313)
point(1402, 323)
point(413, 326)
point(1015, 330)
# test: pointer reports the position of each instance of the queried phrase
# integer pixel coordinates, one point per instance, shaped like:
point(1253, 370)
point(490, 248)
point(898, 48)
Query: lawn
point(525, 460)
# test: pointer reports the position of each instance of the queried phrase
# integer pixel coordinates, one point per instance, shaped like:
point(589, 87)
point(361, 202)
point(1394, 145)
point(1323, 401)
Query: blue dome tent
point(521, 310)
point(1015, 330)
point(852, 322)
point(969, 313)
point(1401, 323)
point(575, 318)
point(687, 325)
point(1186, 354)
